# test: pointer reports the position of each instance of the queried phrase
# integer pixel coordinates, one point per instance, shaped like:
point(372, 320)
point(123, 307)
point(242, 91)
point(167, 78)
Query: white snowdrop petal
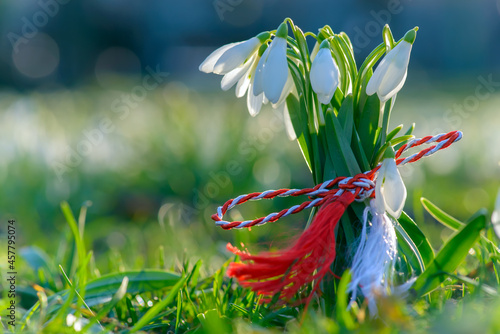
point(378, 75)
point(235, 75)
point(244, 82)
point(286, 90)
point(324, 76)
point(254, 103)
point(236, 55)
point(393, 92)
point(325, 98)
point(275, 71)
point(379, 203)
point(208, 64)
point(390, 74)
point(242, 85)
point(394, 79)
point(393, 189)
point(258, 88)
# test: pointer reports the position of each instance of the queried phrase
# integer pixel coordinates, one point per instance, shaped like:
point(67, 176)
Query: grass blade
point(418, 238)
point(440, 215)
point(153, 311)
point(450, 256)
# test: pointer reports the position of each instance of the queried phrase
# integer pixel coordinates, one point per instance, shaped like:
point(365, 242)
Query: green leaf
point(366, 69)
point(80, 246)
point(139, 281)
point(346, 117)
point(451, 255)
point(410, 250)
point(340, 150)
point(394, 132)
point(418, 238)
point(302, 44)
point(120, 293)
point(101, 290)
point(358, 151)
point(368, 125)
point(386, 115)
point(347, 46)
point(452, 223)
point(393, 142)
point(440, 215)
point(343, 316)
point(342, 62)
point(212, 322)
point(298, 115)
point(348, 56)
point(409, 132)
point(153, 311)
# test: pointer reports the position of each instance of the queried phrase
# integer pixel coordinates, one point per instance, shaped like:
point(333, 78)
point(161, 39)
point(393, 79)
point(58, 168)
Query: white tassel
point(373, 266)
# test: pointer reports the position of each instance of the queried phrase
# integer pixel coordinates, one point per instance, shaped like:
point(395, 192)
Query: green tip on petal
point(325, 44)
point(264, 36)
point(389, 153)
point(262, 49)
point(411, 35)
point(282, 30)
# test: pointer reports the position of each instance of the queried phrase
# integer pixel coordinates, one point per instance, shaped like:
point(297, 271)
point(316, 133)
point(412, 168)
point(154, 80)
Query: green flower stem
point(372, 58)
point(348, 55)
point(385, 122)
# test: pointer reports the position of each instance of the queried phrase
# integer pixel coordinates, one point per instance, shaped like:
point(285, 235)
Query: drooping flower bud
point(390, 191)
point(390, 75)
point(324, 74)
point(275, 68)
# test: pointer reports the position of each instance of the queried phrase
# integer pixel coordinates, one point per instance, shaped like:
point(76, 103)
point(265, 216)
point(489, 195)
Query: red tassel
point(308, 259)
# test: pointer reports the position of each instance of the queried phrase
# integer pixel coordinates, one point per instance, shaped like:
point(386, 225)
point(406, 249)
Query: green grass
point(185, 297)
point(144, 255)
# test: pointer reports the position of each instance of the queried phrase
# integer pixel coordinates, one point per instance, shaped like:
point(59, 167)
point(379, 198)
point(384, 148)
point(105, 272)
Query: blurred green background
point(78, 124)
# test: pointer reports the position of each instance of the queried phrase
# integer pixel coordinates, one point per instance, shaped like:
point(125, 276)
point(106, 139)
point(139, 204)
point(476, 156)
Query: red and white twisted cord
point(361, 185)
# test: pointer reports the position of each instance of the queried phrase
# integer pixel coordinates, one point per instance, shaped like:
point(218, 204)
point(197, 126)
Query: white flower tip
point(395, 201)
point(371, 87)
point(208, 64)
point(390, 189)
point(204, 67)
point(325, 99)
point(324, 75)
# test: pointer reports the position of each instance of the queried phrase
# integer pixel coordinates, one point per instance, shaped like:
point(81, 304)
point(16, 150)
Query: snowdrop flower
point(390, 191)
point(230, 56)
point(271, 73)
point(390, 75)
point(324, 74)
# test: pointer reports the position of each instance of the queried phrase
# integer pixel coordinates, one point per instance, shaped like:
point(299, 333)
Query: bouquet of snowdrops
point(339, 114)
